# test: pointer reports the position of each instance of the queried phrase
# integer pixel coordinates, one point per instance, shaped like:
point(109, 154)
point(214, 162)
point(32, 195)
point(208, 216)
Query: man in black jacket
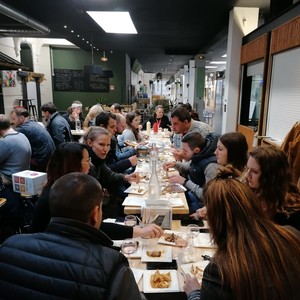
point(72, 259)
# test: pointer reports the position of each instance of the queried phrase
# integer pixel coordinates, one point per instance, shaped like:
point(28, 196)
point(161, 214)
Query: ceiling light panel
point(114, 21)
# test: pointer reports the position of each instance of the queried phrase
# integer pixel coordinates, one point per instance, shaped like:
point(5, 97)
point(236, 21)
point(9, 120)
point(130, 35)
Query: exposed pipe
point(20, 33)
point(20, 17)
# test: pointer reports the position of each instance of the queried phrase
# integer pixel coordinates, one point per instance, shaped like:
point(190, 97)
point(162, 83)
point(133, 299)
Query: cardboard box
point(29, 182)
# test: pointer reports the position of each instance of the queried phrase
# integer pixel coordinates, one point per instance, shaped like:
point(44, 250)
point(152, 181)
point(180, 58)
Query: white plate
point(187, 268)
point(162, 238)
point(166, 254)
point(134, 189)
point(174, 287)
point(203, 240)
point(173, 188)
point(131, 201)
point(137, 273)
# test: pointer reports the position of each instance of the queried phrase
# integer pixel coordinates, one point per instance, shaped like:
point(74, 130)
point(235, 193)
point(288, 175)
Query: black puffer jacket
point(71, 260)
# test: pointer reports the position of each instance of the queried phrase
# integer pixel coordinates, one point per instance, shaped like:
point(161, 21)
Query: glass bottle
point(153, 186)
point(77, 125)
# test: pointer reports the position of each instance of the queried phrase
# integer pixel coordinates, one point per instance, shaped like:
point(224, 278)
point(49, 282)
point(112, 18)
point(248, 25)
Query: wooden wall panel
point(254, 50)
point(248, 133)
point(285, 36)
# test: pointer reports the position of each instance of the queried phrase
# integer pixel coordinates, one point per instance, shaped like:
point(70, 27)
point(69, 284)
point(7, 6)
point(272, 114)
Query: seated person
point(182, 123)
point(73, 113)
point(232, 148)
point(98, 141)
point(132, 131)
point(72, 259)
point(124, 151)
point(268, 174)
point(255, 258)
point(200, 166)
point(75, 158)
point(108, 120)
point(116, 108)
point(159, 119)
point(90, 118)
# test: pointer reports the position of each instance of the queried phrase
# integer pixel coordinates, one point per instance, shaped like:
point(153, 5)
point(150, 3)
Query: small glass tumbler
point(129, 246)
point(130, 220)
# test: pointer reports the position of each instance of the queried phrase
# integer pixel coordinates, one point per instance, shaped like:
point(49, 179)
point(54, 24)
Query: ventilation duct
point(12, 13)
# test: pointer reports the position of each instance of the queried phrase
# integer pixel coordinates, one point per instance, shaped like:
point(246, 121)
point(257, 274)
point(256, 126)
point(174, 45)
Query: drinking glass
point(181, 240)
point(193, 231)
point(130, 220)
point(129, 246)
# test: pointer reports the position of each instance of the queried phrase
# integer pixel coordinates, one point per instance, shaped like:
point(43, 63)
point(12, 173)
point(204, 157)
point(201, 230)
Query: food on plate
point(196, 271)
point(154, 253)
point(170, 238)
point(160, 280)
point(173, 188)
point(130, 143)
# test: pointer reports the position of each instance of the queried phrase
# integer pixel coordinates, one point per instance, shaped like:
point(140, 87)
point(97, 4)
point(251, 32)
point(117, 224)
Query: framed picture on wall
point(9, 78)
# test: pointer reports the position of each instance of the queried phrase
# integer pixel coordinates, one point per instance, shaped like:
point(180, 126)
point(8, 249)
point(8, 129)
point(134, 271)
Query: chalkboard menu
point(78, 81)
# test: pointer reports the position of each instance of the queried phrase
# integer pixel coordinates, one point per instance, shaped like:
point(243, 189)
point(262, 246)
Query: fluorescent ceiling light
point(210, 67)
point(114, 21)
point(225, 55)
point(216, 62)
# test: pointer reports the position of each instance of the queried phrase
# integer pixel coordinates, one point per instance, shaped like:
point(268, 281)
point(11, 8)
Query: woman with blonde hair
point(255, 258)
point(89, 120)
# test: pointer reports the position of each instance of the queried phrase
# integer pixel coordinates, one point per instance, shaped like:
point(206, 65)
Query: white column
point(192, 79)
point(242, 20)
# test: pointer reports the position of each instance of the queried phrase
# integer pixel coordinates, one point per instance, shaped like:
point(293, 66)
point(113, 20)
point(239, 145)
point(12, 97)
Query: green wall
point(66, 58)
point(200, 84)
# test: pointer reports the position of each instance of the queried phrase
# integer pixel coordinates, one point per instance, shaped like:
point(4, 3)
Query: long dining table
point(180, 208)
point(194, 256)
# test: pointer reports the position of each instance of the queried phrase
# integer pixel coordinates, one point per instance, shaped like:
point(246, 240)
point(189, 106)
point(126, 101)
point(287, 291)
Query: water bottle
point(148, 128)
point(153, 186)
point(77, 125)
point(152, 156)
